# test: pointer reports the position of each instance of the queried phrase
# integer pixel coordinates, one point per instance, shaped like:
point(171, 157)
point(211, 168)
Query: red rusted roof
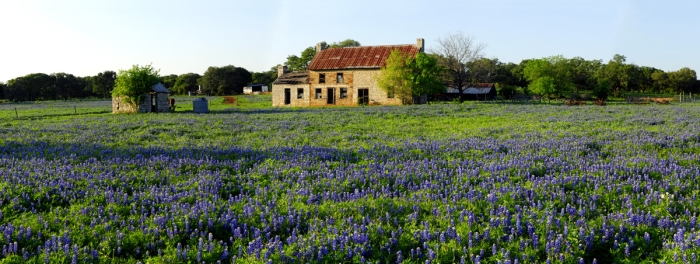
point(357, 57)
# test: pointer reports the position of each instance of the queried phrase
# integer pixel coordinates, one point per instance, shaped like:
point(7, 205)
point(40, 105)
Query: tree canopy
point(548, 76)
point(405, 76)
point(224, 80)
point(135, 82)
point(185, 83)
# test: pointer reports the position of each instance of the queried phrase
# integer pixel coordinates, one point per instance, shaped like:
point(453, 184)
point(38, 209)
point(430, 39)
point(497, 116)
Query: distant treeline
point(63, 86)
point(577, 75)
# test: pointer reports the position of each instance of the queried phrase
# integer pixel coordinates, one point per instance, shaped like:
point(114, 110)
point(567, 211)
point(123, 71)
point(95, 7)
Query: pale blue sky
point(91, 36)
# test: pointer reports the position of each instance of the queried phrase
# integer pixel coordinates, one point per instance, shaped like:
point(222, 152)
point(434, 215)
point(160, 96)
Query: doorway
point(154, 103)
point(287, 96)
point(331, 95)
point(363, 96)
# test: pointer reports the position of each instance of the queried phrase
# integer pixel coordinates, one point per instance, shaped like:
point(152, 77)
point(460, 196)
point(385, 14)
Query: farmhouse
point(255, 88)
point(475, 91)
point(339, 76)
point(154, 102)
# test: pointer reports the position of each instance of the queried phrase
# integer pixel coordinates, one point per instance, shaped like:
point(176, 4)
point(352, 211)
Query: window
point(343, 92)
point(322, 78)
point(339, 78)
point(300, 93)
point(318, 93)
point(390, 93)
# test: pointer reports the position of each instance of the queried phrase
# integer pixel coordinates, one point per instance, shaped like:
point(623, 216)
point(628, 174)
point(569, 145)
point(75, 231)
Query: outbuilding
point(155, 101)
point(255, 88)
point(475, 91)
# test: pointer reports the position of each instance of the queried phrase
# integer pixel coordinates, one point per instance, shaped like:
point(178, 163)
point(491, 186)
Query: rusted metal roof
point(357, 57)
point(298, 77)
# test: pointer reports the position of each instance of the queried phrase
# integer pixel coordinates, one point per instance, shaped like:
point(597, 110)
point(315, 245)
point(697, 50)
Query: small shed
point(155, 101)
point(255, 88)
point(476, 91)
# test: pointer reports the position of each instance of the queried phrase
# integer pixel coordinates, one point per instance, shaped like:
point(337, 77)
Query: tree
point(66, 86)
point(555, 69)
point(683, 80)
point(224, 80)
point(169, 80)
point(301, 63)
point(103, 83)
point(2, 90)
point(544, 85)
point(615, 74)
point(602, 90)
point(405, 76)
point(483, 70)
point(185, 83)
point(30, 87)
point(455, 52)
point(135, 82)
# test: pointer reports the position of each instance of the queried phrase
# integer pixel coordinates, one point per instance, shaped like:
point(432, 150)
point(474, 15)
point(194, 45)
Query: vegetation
point(456, 52)
point(224, 80)
point(133, 83)
point(406, 76)
point(439, 183)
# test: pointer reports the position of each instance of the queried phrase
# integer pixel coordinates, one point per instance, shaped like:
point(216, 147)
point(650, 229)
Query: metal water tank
point(200, 105)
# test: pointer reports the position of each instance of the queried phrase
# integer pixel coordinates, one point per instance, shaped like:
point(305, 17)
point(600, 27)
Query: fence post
point(16, 115)
point(75, 110)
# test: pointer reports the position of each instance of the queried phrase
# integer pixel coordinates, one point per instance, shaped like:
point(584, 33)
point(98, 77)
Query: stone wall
point(352, 81)
point(278, 95)
point(119, 104)
point(367, 79)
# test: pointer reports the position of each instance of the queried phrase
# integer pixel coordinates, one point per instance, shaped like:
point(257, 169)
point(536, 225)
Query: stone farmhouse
point(154, 102)
point(339, 76)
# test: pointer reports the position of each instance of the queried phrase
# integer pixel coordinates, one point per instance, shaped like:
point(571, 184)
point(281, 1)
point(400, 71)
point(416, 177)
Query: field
point(441, 183)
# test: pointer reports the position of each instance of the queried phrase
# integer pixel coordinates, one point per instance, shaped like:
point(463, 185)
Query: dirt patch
point(229, 100)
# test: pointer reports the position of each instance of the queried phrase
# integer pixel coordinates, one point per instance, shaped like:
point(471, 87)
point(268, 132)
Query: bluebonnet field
point(446, 183)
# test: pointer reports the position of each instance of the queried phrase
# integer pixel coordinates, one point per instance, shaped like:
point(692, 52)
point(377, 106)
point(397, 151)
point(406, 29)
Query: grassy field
point(440, 183)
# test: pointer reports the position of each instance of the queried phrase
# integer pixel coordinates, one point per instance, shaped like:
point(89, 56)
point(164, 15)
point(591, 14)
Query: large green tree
point(2, 90)
point(555, 69)
point(616, 74)
point(185, 83)
point(406, 77)
point(300, 63)
point(135, 82)
point(225, 80)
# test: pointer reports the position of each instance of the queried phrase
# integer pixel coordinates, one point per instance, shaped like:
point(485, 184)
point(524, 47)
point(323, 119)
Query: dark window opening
point(322, 78)
point(343, 92)
point(363, 96)
point(339, 78)
point(300, 93)
point(318, 93)
point(390, 94)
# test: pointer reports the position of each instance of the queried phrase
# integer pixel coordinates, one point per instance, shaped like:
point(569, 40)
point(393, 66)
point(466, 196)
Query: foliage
point(103, 83)
point(548, 76)
point(30, 87)
point(406, 76)
point(169, 80)
point(224, 80)
point(602, 90)
point(133, 83)
point(185, 83)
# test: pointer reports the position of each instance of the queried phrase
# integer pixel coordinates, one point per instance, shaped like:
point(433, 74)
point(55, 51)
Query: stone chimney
point(420, 43)
point(281, 69)
point(320, 47)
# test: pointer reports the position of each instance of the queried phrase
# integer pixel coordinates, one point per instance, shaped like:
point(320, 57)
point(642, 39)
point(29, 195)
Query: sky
point(87, 37)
